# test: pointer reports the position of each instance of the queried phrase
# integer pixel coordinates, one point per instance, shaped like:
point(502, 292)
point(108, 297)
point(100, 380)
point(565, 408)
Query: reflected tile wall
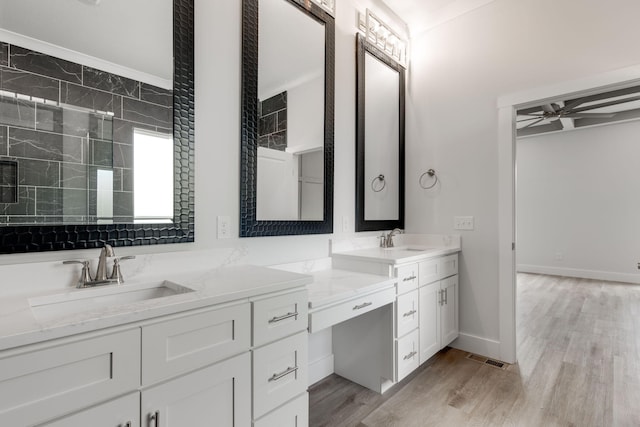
point(272, 124)
point(55, 127)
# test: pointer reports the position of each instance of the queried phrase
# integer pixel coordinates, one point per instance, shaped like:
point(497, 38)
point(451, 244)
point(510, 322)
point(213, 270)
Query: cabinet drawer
point(324, 318)
point(278, 317)
point(293, 414)
point(407, 313)
point(121, 412)
point(186, 343)
point(279, 373)
point(407, 354)
point(407, 278)
point(429, 271)
point(448, 265)
point(48, 382)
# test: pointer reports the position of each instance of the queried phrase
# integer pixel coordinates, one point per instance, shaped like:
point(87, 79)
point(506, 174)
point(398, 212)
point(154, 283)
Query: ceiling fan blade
point(606, 104)
point(589, 115)
point(573, 104)
point(548, 108)
point(530, 118)
point(531, 124)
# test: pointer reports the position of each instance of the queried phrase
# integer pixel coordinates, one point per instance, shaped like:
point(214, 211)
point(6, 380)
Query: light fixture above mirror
point(384, 37)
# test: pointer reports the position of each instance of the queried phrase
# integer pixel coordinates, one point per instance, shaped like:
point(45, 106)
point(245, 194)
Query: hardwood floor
point(578, 365)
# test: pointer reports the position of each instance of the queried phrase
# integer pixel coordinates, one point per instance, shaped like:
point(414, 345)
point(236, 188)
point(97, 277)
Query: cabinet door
point(449, 310)
point(218, 395)
point(121, 412)
point(429, 309)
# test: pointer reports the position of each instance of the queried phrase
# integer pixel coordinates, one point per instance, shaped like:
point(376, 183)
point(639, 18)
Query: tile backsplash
point(62, 122)
point(272, 125)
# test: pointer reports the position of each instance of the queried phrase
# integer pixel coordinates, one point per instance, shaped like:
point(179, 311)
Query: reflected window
point(152, 176)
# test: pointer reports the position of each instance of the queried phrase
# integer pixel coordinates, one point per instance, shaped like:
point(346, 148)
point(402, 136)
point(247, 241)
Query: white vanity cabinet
point(438, 295)
point(188, 368)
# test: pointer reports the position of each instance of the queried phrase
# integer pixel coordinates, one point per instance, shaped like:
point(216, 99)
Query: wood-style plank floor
point(578, 365)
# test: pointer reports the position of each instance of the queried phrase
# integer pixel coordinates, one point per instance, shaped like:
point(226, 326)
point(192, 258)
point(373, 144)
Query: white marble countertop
point(398, 255)
point(19, 326)
point(333, 286)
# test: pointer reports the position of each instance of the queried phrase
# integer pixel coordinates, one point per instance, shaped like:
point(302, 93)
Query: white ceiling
point(422, 15)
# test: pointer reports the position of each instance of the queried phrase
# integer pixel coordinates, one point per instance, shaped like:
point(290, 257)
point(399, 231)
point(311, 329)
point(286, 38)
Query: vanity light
point(328, 5)
point(383, 37)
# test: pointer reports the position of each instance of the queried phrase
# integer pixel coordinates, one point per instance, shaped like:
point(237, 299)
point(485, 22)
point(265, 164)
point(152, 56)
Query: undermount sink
point(84, 300)
point(405, 248)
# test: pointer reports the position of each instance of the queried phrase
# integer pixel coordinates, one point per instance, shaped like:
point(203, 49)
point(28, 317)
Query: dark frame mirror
point(250, 226)
point(37, 238)
point(363, 47)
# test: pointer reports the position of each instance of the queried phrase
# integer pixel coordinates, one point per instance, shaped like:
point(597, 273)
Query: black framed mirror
point(380, 150)
point(286, 171)
point(60, 227)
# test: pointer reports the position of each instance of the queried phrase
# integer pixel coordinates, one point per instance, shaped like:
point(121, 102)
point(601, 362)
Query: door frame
point(507, 244)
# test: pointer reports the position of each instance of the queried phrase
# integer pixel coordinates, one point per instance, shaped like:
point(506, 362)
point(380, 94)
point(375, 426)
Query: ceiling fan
point(554, 111)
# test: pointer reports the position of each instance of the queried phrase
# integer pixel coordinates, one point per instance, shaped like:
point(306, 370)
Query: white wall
point(577, 203)
point(458, 70)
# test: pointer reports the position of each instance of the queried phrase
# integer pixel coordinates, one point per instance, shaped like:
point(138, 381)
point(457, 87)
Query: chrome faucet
point(101, 277)
point(386, 241)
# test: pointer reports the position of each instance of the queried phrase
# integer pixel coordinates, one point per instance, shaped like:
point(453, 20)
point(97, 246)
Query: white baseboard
point(321, 368)
point(576, 272)
point(478, 345)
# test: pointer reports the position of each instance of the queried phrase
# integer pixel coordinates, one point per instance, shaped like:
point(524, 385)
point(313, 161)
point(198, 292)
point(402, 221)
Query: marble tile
point(147, 113)
point(4, 53)
point(73, 175)
point(156, 95)
point(263, 141)
point(275, 103)
point(282, 120)
point(101, 152)
point(267, 124)
point(26, 203)
point(122, 203)
point(109, 82)
point(123, 179)
point(44, 146)
point(73, 122)
point(58, 201)
point(8, 172)
point(122, 156)
point(39, 173)
point(25, 83)
point(278, 141)
point(17, 112)
point(92, 99)
point(35, 62)
point(8, 194)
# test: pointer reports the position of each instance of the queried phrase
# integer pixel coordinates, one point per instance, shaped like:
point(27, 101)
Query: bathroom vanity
point(422, 319)
point(228, 344)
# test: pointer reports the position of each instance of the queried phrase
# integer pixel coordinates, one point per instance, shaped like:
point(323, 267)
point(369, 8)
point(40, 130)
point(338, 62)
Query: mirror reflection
point(379, 139)
point(291, 92)
point(85, 121)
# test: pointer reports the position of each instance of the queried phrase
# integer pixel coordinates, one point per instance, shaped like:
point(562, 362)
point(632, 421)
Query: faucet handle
point(116, 273)
point(85, 275)
point(383, 240)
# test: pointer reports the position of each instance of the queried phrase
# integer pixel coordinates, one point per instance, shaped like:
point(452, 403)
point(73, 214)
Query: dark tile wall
point(60, 122)
point(272, 125)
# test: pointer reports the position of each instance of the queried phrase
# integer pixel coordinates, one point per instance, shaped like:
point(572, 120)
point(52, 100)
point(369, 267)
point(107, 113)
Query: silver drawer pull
point(276, 377)
point(363, 305)
point(410, 355)
point(408, 279)
point(281, 318)
point(409, 313)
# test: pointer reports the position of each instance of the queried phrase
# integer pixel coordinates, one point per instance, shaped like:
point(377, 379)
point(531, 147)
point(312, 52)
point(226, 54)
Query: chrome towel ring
point(381, 179)
point(432, 174)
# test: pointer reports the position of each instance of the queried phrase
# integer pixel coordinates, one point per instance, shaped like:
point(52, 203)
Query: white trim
point(81, 58)
point(478, 345)
point(609, 276)
point(320, 369)
point(507, 105)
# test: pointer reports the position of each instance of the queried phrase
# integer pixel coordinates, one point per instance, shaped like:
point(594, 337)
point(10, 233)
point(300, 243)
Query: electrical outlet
point(463, 222)
point(345, 224)
point(224, 227)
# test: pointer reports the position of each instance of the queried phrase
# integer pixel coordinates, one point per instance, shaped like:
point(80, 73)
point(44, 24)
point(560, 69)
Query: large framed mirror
point(96, 123)
point(380, 105)
point(286, 184)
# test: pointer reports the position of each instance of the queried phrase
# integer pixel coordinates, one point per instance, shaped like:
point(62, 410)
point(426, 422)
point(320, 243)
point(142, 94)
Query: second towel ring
point(381, 179)
point(432, 174)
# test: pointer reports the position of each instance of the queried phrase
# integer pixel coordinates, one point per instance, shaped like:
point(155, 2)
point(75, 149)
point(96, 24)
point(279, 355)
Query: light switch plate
point(224, 227)
point(463, 222)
